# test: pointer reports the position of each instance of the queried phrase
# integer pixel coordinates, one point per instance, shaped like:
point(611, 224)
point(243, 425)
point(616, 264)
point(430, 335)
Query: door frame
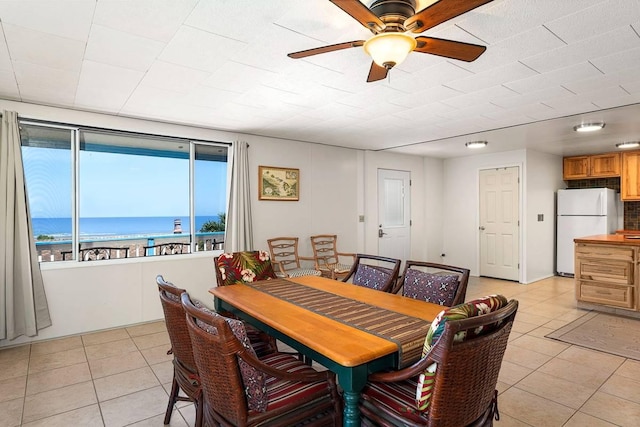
point(521, 217)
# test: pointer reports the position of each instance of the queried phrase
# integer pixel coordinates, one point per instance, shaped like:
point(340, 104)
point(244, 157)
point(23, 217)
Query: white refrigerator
point(582, 212)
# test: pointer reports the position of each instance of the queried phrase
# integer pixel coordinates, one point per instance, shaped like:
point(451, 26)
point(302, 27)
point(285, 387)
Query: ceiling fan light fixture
point(389, 49)
point(476, 144)
point(628, 144)
point(588, 127)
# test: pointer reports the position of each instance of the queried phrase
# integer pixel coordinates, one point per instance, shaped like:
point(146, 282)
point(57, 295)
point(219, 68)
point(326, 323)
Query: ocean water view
point(107, 227)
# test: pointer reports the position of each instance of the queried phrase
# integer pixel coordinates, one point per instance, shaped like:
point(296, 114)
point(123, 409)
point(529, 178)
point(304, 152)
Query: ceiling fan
point(390, 21)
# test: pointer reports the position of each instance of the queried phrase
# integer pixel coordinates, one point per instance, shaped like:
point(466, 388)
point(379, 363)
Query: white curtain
point(238, 235)
point(23, 303)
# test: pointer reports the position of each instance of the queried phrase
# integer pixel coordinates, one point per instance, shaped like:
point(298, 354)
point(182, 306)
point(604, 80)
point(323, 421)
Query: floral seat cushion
point(466, 310)
point(435, 288)
point(244, 267)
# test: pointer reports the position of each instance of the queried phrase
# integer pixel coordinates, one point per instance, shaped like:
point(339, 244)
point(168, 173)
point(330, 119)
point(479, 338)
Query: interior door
point(394, 220)
point(499, 223)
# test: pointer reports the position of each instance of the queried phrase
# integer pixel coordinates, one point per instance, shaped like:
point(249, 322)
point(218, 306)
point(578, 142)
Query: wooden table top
point(341, 343)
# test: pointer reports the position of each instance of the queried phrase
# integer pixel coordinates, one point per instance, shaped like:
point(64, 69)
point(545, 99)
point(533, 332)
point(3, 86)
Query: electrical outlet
point(361, 218)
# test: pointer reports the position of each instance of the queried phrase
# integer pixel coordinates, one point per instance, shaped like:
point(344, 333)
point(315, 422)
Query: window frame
point(75, 148)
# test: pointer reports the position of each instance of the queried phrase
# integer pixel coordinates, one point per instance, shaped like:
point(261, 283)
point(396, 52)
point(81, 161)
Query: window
point(97, 194)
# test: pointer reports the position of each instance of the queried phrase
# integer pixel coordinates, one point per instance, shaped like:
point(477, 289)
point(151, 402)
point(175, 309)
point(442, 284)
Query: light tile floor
point(122, 377)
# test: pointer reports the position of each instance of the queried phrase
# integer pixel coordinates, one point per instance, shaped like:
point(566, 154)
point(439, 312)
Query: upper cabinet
point(630, 182)
point(575, 167)
point(595, 166)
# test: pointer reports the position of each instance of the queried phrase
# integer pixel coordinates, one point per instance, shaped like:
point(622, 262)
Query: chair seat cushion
point(338, 268)
point(282, 393)
point(434, 288)
point(396, 397)
point(299, 272)
point(466, 310)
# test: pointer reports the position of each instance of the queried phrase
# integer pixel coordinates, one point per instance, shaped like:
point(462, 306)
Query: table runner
point(407, 332)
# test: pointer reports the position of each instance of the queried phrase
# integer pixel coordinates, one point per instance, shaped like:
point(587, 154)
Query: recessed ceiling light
point(476, 144)
point(628, 144)
point(588, 127)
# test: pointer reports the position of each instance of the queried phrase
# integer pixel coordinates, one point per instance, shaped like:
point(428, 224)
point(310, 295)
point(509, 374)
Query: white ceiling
point(222, 64)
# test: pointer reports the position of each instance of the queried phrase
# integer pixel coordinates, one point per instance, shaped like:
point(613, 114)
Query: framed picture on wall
point(278, 183)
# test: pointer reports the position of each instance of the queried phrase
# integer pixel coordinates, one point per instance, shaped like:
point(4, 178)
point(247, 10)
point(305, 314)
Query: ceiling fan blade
point(376, 73)
point(440, 12)
point(449, 48)
point(325, 49)
point(361, 13)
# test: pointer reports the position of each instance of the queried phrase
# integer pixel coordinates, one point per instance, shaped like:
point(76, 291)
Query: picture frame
point(276, 183)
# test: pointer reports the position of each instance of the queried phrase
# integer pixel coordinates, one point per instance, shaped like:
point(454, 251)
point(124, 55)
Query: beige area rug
point(603, 332)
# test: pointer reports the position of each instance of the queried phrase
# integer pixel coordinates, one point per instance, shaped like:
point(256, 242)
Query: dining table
point(351, 330)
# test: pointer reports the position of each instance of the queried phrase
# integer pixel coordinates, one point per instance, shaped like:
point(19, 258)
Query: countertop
point(616, 239)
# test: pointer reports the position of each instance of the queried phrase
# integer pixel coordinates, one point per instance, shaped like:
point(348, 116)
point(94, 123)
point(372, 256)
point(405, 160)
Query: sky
point(121, 185)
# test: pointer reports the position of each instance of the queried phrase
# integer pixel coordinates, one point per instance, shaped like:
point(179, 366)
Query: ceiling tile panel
point(554, 78)
point(617, 40)
point(5, 58)
point(103, 86)
point(237, 19)
point(121, 49)
point(174, 77)
point(8, 86)
point(619, 62)
point(601, 18)
point(43, 49)
point(432, 94)
point(494, 77)
point(501, 19)
point(69, 19)
point(199, 50)
point(153, 19)
point(30, 75)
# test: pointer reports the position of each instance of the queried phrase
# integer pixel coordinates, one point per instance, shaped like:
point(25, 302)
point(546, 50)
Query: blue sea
point(60, 228)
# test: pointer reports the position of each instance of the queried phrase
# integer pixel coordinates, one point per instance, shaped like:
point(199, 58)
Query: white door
point(499, 223)
point(394, 220)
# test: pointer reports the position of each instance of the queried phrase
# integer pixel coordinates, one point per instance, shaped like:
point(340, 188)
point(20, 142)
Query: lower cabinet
point(606, 274)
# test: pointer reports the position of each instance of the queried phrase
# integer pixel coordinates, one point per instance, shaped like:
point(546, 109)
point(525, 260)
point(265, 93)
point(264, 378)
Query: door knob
point(380, 232)
point(481, 228)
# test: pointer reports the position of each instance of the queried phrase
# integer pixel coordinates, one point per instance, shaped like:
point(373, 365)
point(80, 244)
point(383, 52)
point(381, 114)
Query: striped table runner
point(407, 332)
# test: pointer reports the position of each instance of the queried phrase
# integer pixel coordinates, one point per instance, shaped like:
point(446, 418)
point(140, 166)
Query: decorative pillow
point(244, 267)
point(472, 308)
point(371, 276)
point(255, 382)
point(435, 288)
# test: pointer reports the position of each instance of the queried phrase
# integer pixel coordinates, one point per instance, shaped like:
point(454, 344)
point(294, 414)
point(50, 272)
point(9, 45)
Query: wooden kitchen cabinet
point(604, 165)
point(606, 275)
point(595, 166)
point(630, 178)
point(576, 167)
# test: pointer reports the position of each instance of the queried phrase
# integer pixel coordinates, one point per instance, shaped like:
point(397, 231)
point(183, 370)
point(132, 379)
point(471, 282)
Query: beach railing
point(128, 247)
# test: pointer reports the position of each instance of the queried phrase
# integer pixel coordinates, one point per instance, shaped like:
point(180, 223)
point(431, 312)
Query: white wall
point(540, 177)
point(434, 210)
point(544, 177)
point(461, 201)
point(93, 296)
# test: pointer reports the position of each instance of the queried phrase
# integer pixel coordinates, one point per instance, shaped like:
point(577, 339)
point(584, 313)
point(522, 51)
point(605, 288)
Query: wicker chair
point(185, 372)
point(436, 283)
point(375, 272)
point(284, 255)
point(327, 257)
point(242, 390)
point(461, 389)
